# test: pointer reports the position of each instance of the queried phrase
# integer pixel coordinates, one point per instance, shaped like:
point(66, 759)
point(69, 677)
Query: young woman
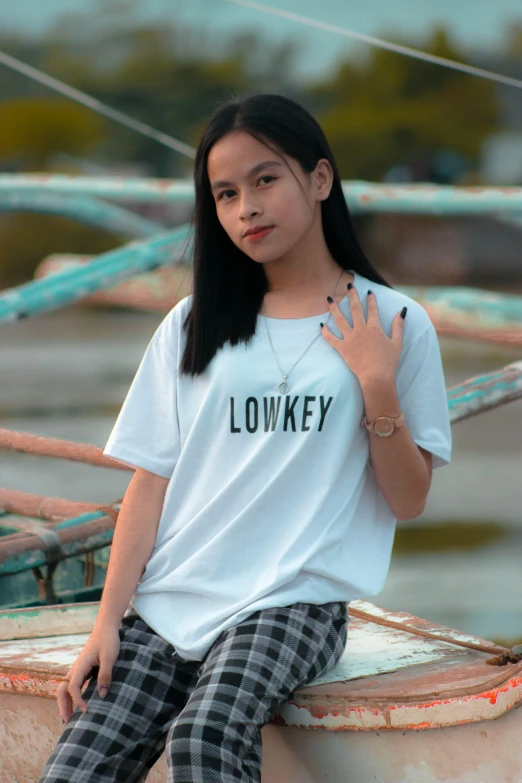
point(262, 501)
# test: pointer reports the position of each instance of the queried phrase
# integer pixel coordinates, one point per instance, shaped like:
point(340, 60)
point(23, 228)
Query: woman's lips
point(259, 235)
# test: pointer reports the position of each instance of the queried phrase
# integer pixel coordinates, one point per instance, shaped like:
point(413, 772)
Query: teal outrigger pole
point(91, 211)
point(361, 196)
point(73, 285)
point(84, 198)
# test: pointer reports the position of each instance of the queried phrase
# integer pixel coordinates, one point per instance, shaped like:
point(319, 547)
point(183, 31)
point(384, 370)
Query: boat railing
point(462, 312)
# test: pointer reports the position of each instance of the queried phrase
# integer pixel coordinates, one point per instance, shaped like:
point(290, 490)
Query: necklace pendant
point(283, 387)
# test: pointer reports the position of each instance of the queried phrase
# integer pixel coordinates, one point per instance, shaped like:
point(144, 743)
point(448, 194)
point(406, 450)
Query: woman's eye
point(224, 192)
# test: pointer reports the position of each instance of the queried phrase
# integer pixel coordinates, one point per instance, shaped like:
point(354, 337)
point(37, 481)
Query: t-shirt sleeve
point(421, 390)
point(146, 432)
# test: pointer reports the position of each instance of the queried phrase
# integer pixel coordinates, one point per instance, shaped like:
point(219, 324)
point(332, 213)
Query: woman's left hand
point(366, 349)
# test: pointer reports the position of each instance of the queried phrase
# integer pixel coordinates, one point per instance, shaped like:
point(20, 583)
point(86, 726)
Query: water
point(65, 375)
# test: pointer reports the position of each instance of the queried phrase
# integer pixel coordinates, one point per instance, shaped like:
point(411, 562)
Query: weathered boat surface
point(456, 312)
point(397, 708)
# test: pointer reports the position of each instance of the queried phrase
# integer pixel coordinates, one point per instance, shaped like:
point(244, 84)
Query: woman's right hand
point(101, 649)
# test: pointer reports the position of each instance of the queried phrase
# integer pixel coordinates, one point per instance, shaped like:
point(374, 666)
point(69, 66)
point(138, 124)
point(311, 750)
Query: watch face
point(384, 426)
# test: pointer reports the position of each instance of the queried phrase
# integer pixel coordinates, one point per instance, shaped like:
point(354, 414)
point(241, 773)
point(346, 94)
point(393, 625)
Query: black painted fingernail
point(321, 324)
point(63, 721)
point(369, 292)
point(329, 299)
point(403, 312)
point(349, 286)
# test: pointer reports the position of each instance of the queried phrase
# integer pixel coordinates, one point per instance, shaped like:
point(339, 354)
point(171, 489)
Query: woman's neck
point(306, 300)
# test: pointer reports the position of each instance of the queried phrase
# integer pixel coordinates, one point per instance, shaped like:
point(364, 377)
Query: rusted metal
point(87, 210)
point(51, 508)
point(484, 392)
point(366, 709)
point(86, 533)
point(459, 311)
point(418, 199)
point(469, 313)
point(445, 327)
point(49, 621)
point(386, 677)
point(114, 188)
point(442, 634)
point(107, 269)
point(54, 447)
point(44, 582)
point(388, 683)
point(431, 199)
point(152, 292)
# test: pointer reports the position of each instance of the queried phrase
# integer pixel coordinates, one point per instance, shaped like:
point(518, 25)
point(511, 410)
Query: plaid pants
point(207, 715)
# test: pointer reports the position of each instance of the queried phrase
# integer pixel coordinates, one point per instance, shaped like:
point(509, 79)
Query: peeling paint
point(387, 679)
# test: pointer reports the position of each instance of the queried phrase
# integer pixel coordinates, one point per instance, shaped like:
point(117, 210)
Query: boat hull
point(396, 708)
point(485, 752)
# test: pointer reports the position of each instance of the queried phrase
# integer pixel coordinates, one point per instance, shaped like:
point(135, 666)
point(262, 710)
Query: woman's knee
point(200, 733)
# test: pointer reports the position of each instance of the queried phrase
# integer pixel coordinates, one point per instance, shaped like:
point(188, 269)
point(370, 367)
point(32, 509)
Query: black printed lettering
point(249, 426)
point(323, 410)
point(233, 427)
point(306, 413)
point(289, 412)
point(272, 407)
point(272, 414)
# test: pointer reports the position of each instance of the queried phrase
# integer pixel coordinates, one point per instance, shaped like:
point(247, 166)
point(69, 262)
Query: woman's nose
point(248, 210)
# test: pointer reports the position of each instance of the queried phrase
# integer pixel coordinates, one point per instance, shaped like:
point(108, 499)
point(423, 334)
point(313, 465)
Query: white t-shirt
point(271, 499)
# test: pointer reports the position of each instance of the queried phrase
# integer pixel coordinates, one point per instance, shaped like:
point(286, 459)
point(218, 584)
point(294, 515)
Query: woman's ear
point(323, 178)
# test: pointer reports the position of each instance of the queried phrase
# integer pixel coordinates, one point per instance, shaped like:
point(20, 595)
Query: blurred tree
point(32, 130)
point(174, 96)
point(514, 47)
point(169, 77)
point(27, 238)
point(12, 83)
point(384, 112)
point(393, 110)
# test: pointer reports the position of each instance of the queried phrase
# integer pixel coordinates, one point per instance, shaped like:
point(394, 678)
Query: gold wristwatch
point(383, 426)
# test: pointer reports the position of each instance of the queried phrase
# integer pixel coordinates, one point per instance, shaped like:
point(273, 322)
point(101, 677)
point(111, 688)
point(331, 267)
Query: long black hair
point(228, 286)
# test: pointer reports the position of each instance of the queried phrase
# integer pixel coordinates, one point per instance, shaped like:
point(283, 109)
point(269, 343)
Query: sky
point(475, 24)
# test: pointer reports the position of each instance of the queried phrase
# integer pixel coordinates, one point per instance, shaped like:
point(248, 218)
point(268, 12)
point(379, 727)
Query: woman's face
point(248, 194)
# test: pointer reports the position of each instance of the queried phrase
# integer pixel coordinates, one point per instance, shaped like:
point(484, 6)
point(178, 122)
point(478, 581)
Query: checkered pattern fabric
point(207, 715)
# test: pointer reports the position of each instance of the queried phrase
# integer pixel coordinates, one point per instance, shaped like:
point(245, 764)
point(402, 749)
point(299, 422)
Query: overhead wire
point(185, 149)
point(96, 105)
point(382, 44)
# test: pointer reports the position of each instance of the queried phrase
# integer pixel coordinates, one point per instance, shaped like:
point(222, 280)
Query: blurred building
point(501, 160)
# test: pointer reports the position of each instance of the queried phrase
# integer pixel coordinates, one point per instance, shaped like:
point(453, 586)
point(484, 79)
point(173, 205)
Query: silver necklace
point(284, 387)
